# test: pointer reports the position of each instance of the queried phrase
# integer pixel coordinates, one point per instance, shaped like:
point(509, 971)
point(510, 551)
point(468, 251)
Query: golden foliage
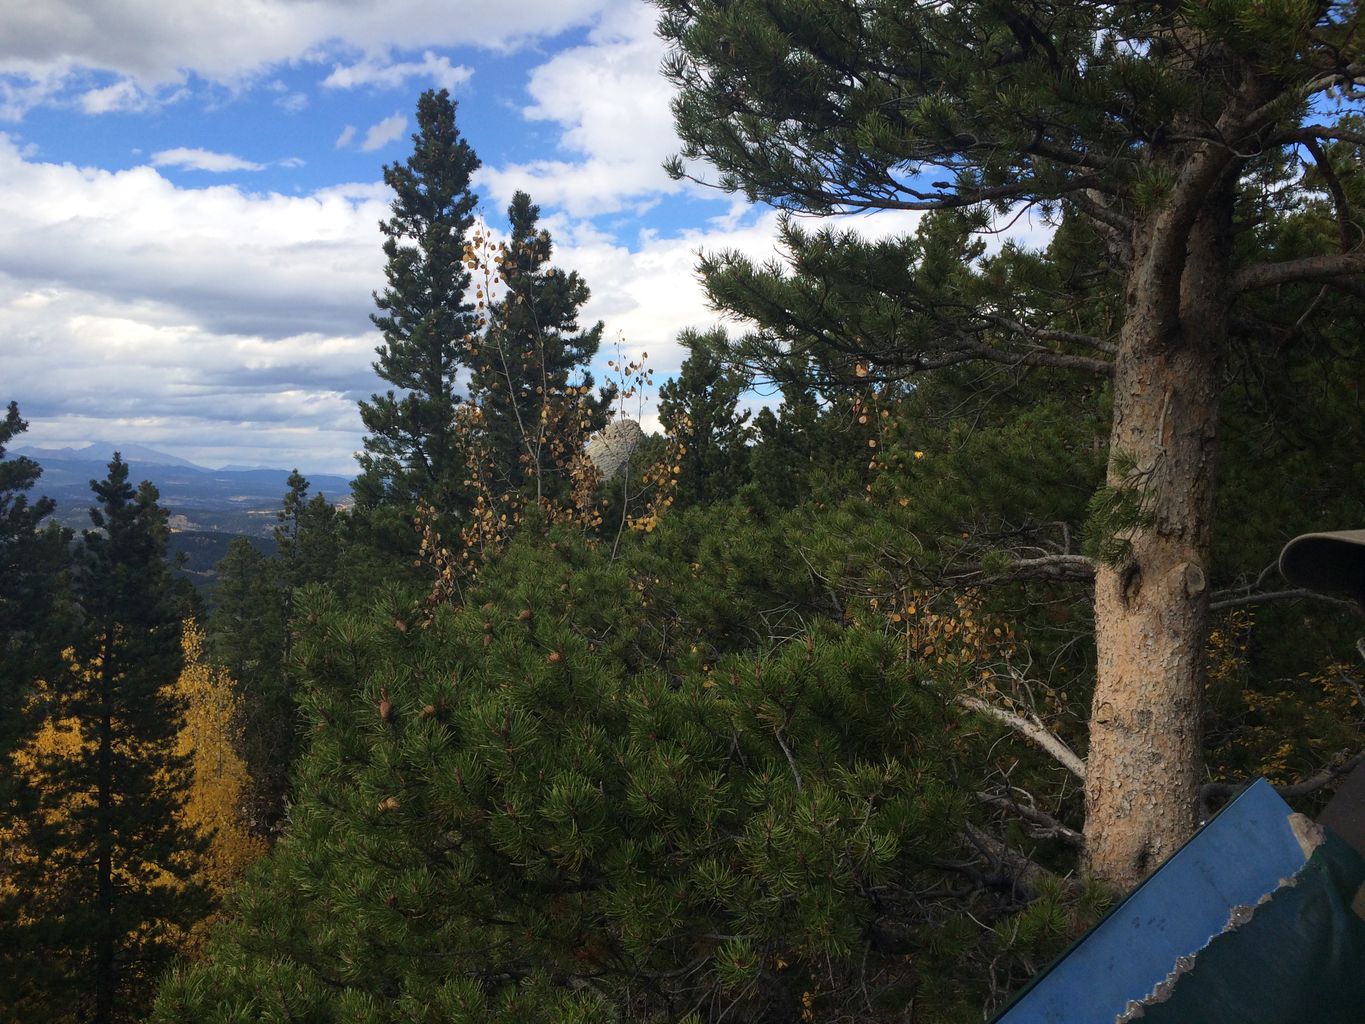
point(218, 793)
point(1284, 730)
point(213, 805)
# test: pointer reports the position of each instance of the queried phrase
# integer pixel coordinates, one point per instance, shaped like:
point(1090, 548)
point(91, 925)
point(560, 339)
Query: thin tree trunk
point(104, 948)
point(1151, 604)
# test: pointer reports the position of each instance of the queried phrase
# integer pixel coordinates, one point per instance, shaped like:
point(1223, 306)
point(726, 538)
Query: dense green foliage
point(727, 738)
point(594, 790)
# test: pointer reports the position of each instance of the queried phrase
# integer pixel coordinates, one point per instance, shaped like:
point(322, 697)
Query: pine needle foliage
point(555, 803)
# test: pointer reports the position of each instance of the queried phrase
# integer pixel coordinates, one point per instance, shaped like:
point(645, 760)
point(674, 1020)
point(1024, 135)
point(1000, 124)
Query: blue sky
point(188, 220)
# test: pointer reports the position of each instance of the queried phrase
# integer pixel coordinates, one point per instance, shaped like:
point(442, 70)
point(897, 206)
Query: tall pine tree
point(1149, 121)
point(424, 317)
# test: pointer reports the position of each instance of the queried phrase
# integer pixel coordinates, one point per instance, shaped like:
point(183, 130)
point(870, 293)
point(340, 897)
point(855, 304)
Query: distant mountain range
point(103, 451)
point(234, 499)
point(208, 506)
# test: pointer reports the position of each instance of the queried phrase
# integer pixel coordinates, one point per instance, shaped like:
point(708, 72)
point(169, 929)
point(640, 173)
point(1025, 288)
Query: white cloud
point(292, 161)
point(617, 129)
point(203, 160)
point(390, 129)
point(346, 137)
point(391, 75)
point(230, 42)
point(213, 318)
point(293, 103)
point(123, 96)
point(23, 88)
point(187, 316)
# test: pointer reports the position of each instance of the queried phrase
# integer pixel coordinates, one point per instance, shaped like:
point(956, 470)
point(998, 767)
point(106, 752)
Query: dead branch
point(1048, 827)
point(1031, 729)
point(1010, 866)
point(1305, 787)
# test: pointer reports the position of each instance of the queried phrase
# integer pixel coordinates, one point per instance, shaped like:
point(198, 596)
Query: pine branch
point(1310, 268)
point(1050, 334)
point(1239, 600)
point(1236, 597)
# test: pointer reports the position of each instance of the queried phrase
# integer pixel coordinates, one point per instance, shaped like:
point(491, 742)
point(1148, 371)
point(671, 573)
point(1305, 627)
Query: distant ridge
point(103, 451)
point(236, 499)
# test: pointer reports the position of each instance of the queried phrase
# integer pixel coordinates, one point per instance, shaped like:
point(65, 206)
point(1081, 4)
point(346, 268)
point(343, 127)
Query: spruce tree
point(424, 316)
point(108, 887)
point(532, 351)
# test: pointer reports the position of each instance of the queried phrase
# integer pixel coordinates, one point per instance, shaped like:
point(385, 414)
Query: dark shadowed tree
point(110, 889)
point(31, 561)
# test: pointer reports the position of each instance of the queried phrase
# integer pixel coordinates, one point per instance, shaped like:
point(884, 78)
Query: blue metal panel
point(1240, 856)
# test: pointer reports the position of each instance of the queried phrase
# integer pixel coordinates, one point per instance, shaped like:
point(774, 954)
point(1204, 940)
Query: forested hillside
point(861, 703)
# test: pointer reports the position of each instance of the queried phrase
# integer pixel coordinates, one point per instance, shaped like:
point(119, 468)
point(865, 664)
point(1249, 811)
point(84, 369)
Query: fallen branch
point(1009, 866)
point(1031, 729)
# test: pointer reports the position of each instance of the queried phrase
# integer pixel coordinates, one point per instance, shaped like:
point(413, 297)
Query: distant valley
point(208, 507)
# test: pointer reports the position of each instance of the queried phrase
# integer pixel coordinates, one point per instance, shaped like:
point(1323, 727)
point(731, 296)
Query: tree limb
point(1349, 230)
point(1237, 600)
point(1048, 826)
point(1102, 367)
point(1050, 334)
point(1031, 729)
point(1304, 787)
point(1075, 568)
point(1310, 268)
point(1008, 865)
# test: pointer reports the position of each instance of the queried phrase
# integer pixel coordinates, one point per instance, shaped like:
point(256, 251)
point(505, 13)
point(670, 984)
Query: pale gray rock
point(611, 447)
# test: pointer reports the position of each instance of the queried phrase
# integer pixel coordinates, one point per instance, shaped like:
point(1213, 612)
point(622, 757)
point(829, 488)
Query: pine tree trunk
point(104, 941)
point(1151, 604)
